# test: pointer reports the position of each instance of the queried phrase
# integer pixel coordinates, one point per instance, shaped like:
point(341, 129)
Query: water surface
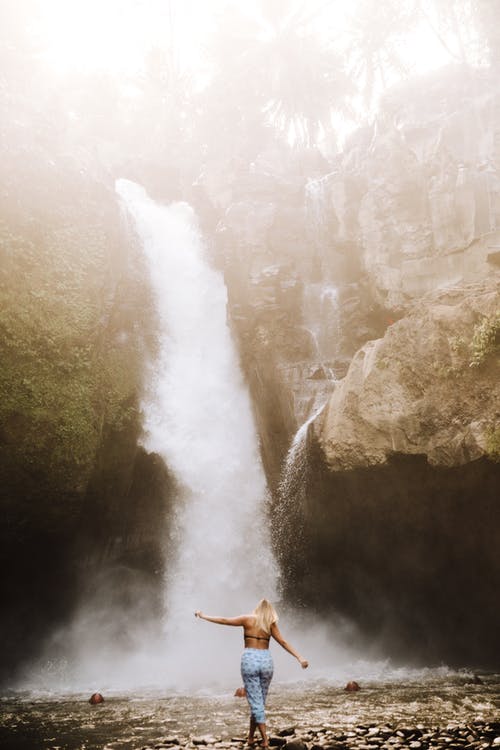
point(127, 721)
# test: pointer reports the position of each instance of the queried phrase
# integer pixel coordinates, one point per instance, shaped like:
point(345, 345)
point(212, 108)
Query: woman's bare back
point(254, 637)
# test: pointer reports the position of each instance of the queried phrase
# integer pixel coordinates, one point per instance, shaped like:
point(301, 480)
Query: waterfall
point(290, 506)
point(322, 319)
point(294, 470)
point(318, 209)
point(197, 416)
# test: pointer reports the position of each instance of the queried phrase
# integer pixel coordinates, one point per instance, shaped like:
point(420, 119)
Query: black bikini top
point(258, 637)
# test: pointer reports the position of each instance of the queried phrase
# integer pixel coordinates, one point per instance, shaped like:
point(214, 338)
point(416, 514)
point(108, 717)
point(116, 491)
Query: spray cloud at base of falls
point(197, 416)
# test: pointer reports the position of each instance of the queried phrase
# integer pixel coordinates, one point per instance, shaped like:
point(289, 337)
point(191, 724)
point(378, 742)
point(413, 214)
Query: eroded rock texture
point(316, 266)
point(429, 387)
point(393, 517)
point(397, 507)
point(419, 193)
point(383, 266)
point(75, 328)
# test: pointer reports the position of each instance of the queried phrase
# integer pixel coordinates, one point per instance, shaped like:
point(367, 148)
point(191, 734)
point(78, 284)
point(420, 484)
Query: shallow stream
point(126, 721)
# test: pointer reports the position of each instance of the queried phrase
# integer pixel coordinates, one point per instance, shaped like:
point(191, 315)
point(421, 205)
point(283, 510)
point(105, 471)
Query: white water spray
point(198, 418)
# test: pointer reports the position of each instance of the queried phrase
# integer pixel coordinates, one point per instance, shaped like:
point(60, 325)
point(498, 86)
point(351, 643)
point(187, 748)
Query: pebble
point(477, 735)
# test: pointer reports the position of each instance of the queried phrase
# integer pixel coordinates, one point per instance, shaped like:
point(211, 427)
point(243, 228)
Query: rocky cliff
point(373, 288)
point(396, 502)
point(429, 387)
point(75, 328)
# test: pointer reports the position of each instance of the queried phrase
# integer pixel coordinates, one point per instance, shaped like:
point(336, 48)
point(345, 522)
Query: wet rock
point(295, 745)
point(277, 741)
point(352, 686)
point(96, 698)
point(286, 732)
point(207, 740)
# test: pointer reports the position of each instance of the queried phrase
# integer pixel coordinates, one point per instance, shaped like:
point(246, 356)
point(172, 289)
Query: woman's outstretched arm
point(275, 632)
point(241, 620)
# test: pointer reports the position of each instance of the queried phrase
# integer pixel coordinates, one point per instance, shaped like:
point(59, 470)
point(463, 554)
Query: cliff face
point(419, 193)
point(397, 505)
point(316, 266)
point(367, 284)
point(75, 328)
point(429, 387)
point(377, 293)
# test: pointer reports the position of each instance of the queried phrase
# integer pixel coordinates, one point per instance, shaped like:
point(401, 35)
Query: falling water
point(318, 209)
point(197, 416)
point(322, 319)
point(294, 470)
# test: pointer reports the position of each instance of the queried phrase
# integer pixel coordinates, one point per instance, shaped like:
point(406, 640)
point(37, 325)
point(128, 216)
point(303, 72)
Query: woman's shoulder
point(249, 620)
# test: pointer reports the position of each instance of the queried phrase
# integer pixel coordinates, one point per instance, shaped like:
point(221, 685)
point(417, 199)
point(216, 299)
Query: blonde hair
point(265, 615)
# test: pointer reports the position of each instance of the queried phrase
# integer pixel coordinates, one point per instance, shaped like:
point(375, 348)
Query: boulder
point(428, 387)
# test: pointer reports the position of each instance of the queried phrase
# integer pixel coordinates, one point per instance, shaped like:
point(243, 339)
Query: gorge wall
point(75, 329)
point(361, 289)
point(371, 284)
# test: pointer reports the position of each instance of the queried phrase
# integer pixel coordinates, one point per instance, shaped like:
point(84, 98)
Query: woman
point(256, 660)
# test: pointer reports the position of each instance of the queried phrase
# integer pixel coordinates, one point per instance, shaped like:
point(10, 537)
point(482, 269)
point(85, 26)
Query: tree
point(373, 54)
point(273, 68)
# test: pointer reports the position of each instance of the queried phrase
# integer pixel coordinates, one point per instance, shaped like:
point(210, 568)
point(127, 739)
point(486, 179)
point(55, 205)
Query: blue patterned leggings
point(257, 673)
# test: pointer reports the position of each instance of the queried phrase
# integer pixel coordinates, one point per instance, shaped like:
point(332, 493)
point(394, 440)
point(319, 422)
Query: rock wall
point(397, 505)
point(371, 284)
point(75, 328)
point(321, 257)
point(429, 387)
point(419, 193)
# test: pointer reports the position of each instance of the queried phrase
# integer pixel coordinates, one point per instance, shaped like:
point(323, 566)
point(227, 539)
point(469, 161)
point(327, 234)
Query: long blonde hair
point(265, 615)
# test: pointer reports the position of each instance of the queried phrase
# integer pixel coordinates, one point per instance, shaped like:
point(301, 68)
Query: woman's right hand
point(304, 663)
point(198, 613)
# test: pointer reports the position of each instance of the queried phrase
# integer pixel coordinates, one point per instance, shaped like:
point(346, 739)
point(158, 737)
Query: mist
point(249, 336)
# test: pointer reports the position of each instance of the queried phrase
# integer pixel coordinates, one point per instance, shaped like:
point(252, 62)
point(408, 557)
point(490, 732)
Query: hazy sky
point(116, 34)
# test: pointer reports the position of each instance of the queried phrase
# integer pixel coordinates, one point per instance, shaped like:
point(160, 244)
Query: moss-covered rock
point(75, 326)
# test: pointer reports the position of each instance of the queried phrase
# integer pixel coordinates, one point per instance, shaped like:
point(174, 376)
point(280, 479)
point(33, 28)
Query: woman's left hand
point(198, 613)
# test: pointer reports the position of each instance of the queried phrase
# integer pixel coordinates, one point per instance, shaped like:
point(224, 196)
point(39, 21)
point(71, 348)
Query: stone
point(352, 686)
point(414, 392)
point(207, 740)
point(295, 745)
point(95, 699)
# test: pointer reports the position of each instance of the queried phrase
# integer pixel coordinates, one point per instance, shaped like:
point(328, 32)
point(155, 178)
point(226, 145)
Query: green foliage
point(68, 366)
point(485, 340)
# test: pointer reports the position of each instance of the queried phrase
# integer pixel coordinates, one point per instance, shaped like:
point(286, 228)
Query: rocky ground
point(477, 735)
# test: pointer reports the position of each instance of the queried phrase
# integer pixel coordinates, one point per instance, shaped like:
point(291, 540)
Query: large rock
point(428, 387)
point(388, 513)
